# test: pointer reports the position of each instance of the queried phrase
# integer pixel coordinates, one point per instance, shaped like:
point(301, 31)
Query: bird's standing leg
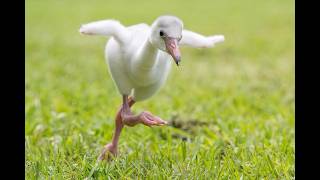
point(113, 146)
point(125, 117)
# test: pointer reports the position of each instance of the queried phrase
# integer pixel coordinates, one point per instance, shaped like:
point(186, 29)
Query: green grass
point(242, 92)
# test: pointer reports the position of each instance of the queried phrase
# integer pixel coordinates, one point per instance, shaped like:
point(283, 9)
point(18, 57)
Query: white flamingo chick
point(139, 60)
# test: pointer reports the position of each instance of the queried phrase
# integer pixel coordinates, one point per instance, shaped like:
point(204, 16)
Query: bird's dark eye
point(161, 33)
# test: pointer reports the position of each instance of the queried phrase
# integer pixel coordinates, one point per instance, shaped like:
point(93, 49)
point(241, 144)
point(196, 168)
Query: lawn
point(230, 108)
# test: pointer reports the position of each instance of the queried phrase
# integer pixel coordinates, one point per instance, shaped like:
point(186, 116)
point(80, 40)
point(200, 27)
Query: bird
point(139, 61)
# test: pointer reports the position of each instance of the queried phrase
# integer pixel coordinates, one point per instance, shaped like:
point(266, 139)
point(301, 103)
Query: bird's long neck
point(147, 56)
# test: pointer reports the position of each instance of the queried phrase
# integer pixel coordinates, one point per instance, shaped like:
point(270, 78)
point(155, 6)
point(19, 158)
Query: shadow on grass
point(188, 129)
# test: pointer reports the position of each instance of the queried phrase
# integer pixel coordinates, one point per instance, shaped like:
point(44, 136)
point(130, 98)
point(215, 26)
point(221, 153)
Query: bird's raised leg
point(125, 117)
point(144, 117)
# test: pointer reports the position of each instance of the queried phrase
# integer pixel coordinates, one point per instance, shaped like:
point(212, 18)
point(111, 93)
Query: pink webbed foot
point(109, 151)
point(145, 118)
point(149, 119)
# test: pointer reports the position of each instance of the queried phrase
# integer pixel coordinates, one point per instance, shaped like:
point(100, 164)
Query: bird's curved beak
point(173, 49)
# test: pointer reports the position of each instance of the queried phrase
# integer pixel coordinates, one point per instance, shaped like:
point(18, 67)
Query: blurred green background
point(241, 93)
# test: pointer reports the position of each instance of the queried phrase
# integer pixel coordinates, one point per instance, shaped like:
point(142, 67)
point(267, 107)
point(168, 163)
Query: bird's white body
point(137, 66)
point(137, 56)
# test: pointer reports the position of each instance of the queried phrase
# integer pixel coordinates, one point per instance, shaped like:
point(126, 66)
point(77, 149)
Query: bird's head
point(166, 32)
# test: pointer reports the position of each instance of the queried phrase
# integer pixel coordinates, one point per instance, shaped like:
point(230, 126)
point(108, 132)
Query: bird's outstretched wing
point(106, 28)
point(196, 40)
